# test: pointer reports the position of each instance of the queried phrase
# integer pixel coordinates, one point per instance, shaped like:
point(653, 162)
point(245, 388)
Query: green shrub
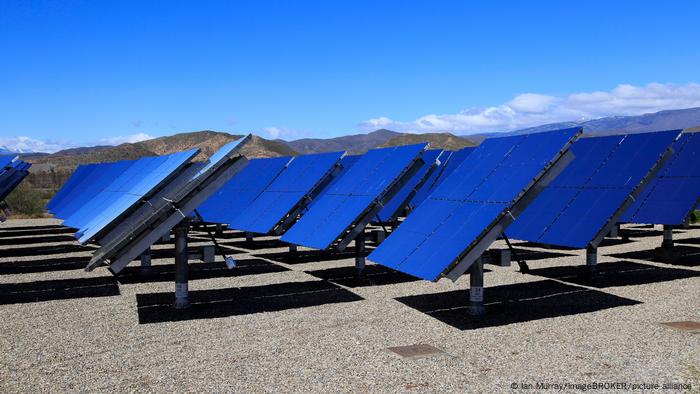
point(26, 201)
point(695, 217)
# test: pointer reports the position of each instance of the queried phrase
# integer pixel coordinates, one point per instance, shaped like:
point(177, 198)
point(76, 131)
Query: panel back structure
point(171, 203)
point(451, 160)
point(341, 213)
point(396, 206)
point(12, 172)
point(135, 184)
point(289, 195)
point(579, 208)
point(450, 230)
point(675, 190)
point(238, 193)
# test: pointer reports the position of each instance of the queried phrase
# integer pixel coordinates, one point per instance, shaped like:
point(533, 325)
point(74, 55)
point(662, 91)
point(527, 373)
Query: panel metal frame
point(463, 262)
point(366, 217)
point(160, 214)
point(638, 189)
point(303, 204)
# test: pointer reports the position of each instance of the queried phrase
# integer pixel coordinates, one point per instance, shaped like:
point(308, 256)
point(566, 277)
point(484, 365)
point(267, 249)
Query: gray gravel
point(290, 332)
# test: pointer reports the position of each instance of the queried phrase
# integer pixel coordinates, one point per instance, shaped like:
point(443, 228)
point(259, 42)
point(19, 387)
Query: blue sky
point(79, 72)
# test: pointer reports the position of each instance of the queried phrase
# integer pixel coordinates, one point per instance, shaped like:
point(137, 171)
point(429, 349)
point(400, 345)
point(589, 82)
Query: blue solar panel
point(300, 181)
point(345, 163)
point(75, 178)
point(6, 161)
point(580, 204)
point(242, 189)
point(130, 189)
point(675, 190)
point(11, 176)
point(460, 216)
point(91, 185)
point(355, 193)
point(394, 207)
point(166, 206)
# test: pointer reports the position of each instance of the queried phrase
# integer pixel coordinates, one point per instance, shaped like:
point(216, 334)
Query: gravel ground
point(284, 324)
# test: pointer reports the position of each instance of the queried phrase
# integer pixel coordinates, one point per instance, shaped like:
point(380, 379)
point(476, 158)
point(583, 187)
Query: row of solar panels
point(12, 172)
point(552, 187)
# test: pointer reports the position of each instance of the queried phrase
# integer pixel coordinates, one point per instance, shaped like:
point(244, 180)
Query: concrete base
point(208, 253)
point(145, 259)
point(499, 257)
point(668, 237)
point(378, 236)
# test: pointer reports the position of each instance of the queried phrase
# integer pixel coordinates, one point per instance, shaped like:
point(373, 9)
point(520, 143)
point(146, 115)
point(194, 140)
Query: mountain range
point(49, 171)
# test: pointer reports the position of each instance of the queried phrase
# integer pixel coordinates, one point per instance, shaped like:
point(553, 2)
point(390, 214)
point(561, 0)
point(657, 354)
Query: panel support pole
point(591, 261)
point(360, 254)
point(614, 231)
point(668, 237)
point(182, 269)
point(293, 248)
point(476, 288)
point(249, 237)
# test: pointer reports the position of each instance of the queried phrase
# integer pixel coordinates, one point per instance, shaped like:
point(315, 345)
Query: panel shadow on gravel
point(43, 265)
point(207, 304)
point(542, 246)
point(35, 230)
point(44, 250)
point(620, 273)
point(375, 275)
point(311, 256)
point(198, 271)
point(257, 244)
point(529, 255)
point(41, 239)
point(683, 255)
point(169, 252)
point(516, 303)
point(50, 290)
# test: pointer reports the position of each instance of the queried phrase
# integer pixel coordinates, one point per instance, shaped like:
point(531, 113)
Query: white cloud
point(22, 144)
point(284, 133)
point(532, 109)
point(121, 139)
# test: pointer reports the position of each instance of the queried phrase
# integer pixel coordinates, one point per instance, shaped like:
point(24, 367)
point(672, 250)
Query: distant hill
point(657, 121)
point(436, 140)
point(49, 171)
point(356, 143)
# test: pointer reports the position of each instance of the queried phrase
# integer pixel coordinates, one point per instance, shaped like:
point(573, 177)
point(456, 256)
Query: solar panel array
point(122, 189)
point(182, 190)
point(12, 172)
point(674, 192)
point(465, 213)
point(237, 195)
point(394, 207)
point(576, 208)
point(450, 161)
point(355, 198)
point(285, 198)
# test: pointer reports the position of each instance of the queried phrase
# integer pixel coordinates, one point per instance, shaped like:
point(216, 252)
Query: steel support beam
point(476, 288)
point(360, 254)
point(182, 269)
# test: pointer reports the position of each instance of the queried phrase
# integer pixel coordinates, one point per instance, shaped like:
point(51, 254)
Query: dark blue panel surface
point(138, 181)
point(393, 208)
point(364, 184)
point(469, 202)
point(297, 182)
point(90, 186)
point(583, 199)
point(6, 160)
point(675, 190)
point(75, 178)
point(242, 189)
